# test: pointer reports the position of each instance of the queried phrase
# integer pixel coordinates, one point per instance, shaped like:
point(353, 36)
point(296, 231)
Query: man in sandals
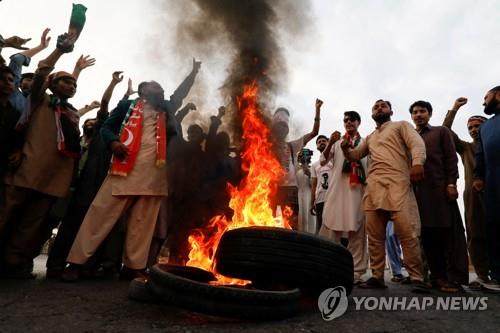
point(396, 160)
point(443, 236)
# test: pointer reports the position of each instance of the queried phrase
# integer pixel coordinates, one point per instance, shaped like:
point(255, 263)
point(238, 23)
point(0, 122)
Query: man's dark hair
point(6, 70)
point(282, 109)
point(141, 86)
point(422, 104)
point(383, 100)
point(321, 137)
point(27, 76)
point(496, 89)
point(353, 114)
point(87, 120)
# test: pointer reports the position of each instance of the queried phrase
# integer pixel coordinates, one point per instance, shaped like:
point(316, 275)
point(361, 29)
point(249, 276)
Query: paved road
point(102, 306)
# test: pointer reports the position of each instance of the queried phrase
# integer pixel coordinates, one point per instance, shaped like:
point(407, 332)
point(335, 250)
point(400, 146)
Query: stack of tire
point(280, 263)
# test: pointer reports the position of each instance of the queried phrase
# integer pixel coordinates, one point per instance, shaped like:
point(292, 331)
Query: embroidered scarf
point(68, 133)
point(355, 169)
point(131, 135)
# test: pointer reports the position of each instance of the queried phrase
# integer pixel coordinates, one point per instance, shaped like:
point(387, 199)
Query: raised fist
point(461, 101)
point(319, 103)
point(66, 42)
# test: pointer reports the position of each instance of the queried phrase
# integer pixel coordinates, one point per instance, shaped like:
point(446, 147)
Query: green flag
point(77, 18)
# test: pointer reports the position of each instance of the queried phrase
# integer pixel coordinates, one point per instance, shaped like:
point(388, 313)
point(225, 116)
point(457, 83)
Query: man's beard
point(492, 107)
point(381, 117)
point(321, 148)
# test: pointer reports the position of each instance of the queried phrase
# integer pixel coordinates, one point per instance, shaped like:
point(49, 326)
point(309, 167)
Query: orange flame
point(250, 201)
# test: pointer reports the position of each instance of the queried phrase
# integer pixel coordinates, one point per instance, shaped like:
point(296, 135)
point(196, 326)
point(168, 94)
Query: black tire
point(223, 301)
point(140, 292)
point(276, 255)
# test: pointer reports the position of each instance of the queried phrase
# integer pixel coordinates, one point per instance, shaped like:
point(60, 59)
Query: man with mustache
point(475, 221)
point(487, 177)
point(396, 160)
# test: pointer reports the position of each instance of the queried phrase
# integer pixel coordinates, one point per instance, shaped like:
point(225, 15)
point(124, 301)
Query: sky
point(354, 52)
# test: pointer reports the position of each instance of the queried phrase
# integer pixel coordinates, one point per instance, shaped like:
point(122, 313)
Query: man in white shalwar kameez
point(343, 213)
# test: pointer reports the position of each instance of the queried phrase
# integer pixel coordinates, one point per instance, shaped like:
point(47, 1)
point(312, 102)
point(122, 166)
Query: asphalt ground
point(102, 306)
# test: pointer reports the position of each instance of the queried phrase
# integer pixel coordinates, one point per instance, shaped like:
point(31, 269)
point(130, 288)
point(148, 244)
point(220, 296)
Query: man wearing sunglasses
point(343, 213)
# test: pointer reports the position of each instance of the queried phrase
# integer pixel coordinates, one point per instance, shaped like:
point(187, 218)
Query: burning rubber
point(281, 256)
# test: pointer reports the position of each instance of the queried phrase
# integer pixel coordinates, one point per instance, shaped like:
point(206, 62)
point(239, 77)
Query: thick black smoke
point(249, 32)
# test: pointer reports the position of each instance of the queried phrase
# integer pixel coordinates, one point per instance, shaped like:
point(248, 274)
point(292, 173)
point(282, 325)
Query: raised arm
point(116, 78)
point(309, 136)
point(328, 152)
point(82, 63)
point(44, 43)
point(65, 44)
point(182, 91)
point(89, 107)
point(18, 60)
point(130, 90)
point(15, 42)
point(182, 113)
point(450, 118)
point(215, 122)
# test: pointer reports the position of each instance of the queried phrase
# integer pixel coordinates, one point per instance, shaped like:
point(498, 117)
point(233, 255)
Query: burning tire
point(188, 272)
point(225, 301)
point(274, 255)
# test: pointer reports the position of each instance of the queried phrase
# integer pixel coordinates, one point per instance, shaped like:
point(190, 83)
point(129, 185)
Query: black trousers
point(446, 253)
point(66, 235)
point(24, 226)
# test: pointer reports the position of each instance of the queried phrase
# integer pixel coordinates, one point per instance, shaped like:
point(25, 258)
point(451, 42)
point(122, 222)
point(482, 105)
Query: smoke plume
point(249, 34)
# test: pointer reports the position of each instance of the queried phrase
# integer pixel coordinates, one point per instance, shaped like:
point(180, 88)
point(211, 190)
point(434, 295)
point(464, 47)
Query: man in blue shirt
point(19, 98)
point(487, 178)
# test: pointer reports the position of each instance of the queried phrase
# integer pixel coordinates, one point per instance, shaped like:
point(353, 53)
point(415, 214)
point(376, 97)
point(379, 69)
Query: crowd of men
point(118, 206)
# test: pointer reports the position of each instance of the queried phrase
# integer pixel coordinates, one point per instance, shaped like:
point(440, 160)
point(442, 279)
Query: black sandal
point(373, 283)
